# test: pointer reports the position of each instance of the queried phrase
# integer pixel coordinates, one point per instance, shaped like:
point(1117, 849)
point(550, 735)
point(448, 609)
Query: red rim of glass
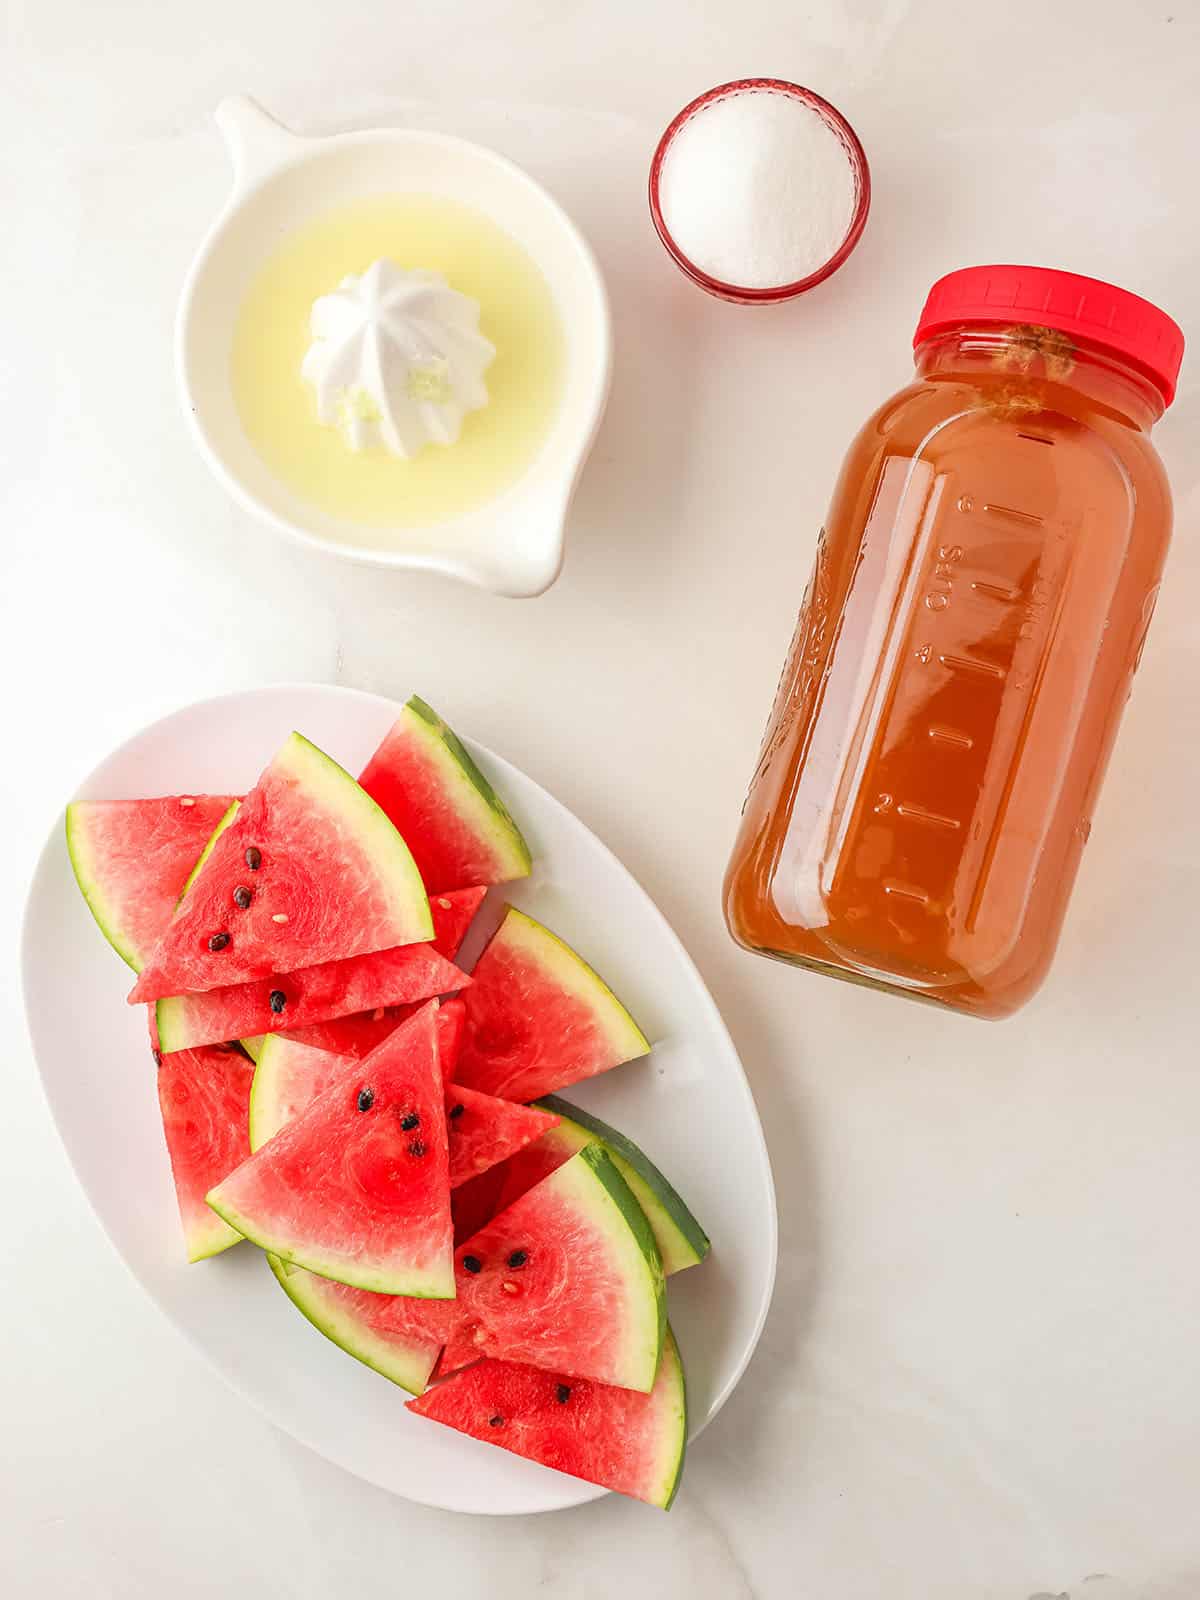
point(833, 119)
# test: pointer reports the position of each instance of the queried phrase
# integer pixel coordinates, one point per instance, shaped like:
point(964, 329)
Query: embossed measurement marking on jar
point(986, 669)
point(995, 591)
point(951, 736)
point(906, 891)
point(917, 813)
point(1011, 511)
point(983, 602)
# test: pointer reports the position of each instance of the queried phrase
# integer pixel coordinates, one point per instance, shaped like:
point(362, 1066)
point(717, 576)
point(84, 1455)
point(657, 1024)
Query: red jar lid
point(1108, 316)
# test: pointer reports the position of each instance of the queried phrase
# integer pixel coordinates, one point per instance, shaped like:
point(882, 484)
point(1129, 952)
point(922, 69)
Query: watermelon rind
point(364, 819)
point(488, 847)
point(103, 876)
point(407, 1366)
point(682, 1242)
point(266, 1115)
point(208, 848)
point(629, 1443)
point(323, 1193)
point(636, 1246)
point(419, 1286)
point(79, 849)
point(371, 899)
point(522, 973)
point(675, 1437)
point(475, 798)
point(592, 1184)
point(568, 968)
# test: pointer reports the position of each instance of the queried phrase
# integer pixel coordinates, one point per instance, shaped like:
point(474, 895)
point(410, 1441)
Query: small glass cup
point(855, 156)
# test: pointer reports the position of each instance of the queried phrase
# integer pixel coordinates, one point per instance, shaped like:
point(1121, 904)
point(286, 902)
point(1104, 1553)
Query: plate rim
point(55, 840)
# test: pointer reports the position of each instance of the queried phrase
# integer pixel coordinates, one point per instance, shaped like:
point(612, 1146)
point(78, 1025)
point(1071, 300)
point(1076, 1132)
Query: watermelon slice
point(568, 1278)
point(204, 1096)
point(357, 1186)
point(357, 1035)
point(484, 1130)
point(456, 825)
point(132, 858)
point(681, 1241)
point(312, 994)
point(538, 1017)
point(633, 1443)
point(395, 1335)
point(481, 1130)
point(308, 871)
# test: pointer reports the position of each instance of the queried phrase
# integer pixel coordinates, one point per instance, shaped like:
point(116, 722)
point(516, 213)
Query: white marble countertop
point(980, 1378)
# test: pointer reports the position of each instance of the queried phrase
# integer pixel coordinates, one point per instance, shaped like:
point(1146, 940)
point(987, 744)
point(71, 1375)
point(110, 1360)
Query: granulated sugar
point(757, 190)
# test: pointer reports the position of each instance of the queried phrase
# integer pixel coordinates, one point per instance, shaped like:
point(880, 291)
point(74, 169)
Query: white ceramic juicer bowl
point(512, 544)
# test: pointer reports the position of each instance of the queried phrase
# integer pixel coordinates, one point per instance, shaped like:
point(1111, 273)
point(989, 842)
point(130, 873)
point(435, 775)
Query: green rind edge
point(370, 1278)
point(380, 819)
point(685, 1243)
point(89, 888)
point(216, 1241)
point(335, 1329)
point(519, 855)
point(671, 1486)
point(260, 1085)
point(373, 817)
point(594, 978)
point(608, 1174)
point(227, 818)
point(167, 1012)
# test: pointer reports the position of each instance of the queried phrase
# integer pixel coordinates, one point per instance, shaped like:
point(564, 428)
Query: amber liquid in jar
point(981, 593)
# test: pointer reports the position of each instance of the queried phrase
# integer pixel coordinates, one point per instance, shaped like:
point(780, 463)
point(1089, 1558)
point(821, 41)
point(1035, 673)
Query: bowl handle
point(255, 141)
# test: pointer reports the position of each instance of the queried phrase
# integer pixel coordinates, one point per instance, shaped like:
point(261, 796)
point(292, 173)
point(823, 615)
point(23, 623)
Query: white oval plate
point(688, 1105)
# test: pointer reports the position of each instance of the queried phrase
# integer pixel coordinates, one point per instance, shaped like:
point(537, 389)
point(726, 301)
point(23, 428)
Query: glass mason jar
point(980, 598)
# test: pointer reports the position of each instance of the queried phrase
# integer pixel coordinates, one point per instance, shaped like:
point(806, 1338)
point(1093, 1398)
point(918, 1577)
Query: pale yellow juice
point(524, 381)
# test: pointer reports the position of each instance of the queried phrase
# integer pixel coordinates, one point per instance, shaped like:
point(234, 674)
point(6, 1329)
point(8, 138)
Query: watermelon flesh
point(457, 827)
point(357, 1186)
point(358, 1034)
point(397, 1336)
point(311, 994)
point(567, 1278)
point(327, 874)
point(204, 1097)
point(131, 859)
point(453, 913)
point(452, 1023)
point(538, 1017)
point(633, 1443)
point(681, 1241)
point(480, 1130)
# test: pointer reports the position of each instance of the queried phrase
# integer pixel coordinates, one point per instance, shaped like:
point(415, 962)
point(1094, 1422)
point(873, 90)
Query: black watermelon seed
point(455, 1111)
point(416, 1147)
point(218, 941)
point(409, 1121)
point(518, 1258)
point(562, 1394)
point(495, 1422)
point(277, 1000)
point(242, 896)
point(366, 1099)
point(158, 1058)
point(254, 858)
point(472, 1264)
